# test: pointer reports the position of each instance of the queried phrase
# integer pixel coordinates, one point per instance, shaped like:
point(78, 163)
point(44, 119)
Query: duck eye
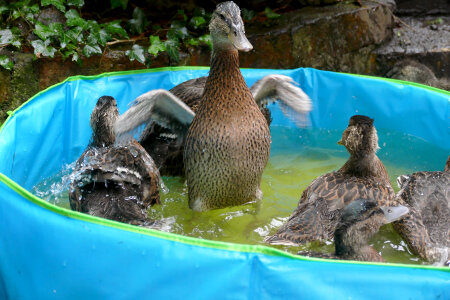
point(389, 210)
point(222, 17)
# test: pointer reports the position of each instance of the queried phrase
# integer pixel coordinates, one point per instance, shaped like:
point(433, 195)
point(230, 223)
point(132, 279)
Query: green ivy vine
point(77, 37)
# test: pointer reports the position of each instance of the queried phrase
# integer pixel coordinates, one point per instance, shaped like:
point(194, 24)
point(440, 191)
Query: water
point(298, 156)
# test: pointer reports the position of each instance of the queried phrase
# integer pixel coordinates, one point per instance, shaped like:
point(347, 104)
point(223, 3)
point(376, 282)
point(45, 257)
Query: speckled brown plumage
point(358, 223)
point(228, 143)
point(426, 229)
point(363, 176)
point(167, 151)
point(117, 182)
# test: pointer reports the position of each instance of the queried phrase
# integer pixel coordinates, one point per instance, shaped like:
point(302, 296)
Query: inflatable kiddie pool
point(50, 252)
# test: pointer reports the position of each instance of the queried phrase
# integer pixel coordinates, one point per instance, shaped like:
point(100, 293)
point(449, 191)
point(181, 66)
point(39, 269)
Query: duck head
point(359, 221)
point(227, 28)
point(360, 137)
point(103, 118)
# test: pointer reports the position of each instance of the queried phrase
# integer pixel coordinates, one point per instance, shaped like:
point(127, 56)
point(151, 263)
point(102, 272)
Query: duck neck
point(103, 134)
point(225, 61)
point(224, 74)
point(364, 165)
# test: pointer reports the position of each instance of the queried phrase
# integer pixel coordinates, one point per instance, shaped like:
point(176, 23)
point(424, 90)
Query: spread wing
point(294, 103)
point(158, 106)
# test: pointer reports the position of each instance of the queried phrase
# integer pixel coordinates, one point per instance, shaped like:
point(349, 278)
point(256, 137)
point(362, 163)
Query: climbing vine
point(23, 26)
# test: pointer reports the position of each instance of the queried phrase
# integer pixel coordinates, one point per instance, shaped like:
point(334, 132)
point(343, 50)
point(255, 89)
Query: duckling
point(166, 148)
point(117, 182)
point(363, 176)
point(227, 138)
point(359, 222)
point(426, 229)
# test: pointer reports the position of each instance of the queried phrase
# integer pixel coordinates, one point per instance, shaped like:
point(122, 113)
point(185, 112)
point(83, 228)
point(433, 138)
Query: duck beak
point(393, 213)
point(238, 39)
point(340, 143)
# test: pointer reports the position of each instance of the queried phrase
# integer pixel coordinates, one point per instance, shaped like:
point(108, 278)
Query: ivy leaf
point(43, 48)
point(248, 14)
point(136, 53)
point(199, 12)
point(92, 26)
point(104, 37)
point(172, 50)
point(177, 30)
point(206, 39)
point(139, 22)
point(99, 37)
point(156, 45)
point(197, 21)
point(5, 62)
point(181, 12)
point(10, 36)
point(43, 31)
point(77, 21)
point(3, 9)
point(71, 13)
point(75, 34)
point(89, 50)
point(271, 14)
point(192, 42)
point(115, 28)
point(34, 9)
point(30, 17)
point(77, 3)
point(57, 28)
point(118, 3)
point(59, 4)
point(76, 57)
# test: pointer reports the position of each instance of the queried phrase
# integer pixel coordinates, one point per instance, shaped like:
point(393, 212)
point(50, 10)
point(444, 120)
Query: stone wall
point(342, 37)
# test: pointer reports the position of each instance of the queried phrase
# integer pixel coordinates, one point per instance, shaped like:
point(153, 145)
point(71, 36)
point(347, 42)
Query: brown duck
point(227, 139)
point(117, 182)
point(166, 148)
point(426, 229)
point(363, 176)
point(359, 222)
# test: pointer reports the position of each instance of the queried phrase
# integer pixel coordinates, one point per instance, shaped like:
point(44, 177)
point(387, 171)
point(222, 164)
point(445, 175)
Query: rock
point(51, 15)
point(337, 37)
point(24, 79)
point(5, 93)
point(411, 70)
point(421, 8)
point(425, 40)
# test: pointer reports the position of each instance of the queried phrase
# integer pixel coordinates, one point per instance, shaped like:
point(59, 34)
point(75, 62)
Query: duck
point(116, 182)
point(426, 230)
point(166, 148)
point(358, 223)
point(363, 176)
point(227, 139)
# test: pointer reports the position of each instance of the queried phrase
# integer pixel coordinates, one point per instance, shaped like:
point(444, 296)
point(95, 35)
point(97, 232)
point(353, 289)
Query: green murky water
point(298, 156)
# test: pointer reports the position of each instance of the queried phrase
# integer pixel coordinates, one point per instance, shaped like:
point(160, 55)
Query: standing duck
point(359, 222)
point(166, 148)
point(117, 182)
point(227, 138)
point(363, 176)
point(426, 229)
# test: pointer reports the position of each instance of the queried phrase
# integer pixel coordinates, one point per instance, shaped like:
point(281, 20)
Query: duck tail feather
point(278, 240)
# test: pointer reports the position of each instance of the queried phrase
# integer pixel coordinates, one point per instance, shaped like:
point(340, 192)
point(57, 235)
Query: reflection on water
point(298, 156)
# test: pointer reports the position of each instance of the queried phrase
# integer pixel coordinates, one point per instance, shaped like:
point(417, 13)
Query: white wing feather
point(159, 106)
point(294, 102)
